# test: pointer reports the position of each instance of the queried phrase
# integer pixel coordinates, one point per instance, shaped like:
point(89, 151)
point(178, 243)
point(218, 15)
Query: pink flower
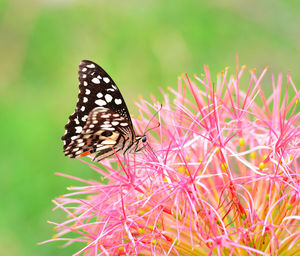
point(220, 176)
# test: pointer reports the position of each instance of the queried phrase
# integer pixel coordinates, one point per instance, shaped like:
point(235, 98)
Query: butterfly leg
point(139, 149)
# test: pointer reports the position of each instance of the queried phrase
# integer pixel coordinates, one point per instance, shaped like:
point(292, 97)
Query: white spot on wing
point(87, 91)
point(100, 102)
point(108, 142)
point(84, 69)
point(106, 79)
point(84, 118)
point(99, 95)
point(78, 129)
point(108, 97)
point(109, 129)
point(85, 83)
point(118, 101)
point(84, 76)
point(85, 99)
point(91, 66)
point(82, 108)
point(105, 125)
point(76, 120)
point(114, 123)
point(95, 80)
point(123, 124)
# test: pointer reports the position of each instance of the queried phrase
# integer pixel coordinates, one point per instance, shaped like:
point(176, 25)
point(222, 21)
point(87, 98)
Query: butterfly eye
point(144, 139)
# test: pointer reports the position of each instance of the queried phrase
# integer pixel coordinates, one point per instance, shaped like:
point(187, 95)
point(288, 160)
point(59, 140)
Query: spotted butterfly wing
point(101, 123)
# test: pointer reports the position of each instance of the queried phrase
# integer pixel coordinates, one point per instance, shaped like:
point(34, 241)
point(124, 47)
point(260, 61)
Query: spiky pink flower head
point(220, 176)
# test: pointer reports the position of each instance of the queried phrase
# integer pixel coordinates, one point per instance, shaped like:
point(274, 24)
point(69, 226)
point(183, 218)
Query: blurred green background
point(144, 45)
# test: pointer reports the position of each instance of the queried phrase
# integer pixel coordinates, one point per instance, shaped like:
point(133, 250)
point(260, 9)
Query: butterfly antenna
point(156, 113)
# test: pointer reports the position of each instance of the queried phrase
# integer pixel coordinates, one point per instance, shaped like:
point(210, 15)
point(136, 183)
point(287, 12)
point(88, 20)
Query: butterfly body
point(101, 123)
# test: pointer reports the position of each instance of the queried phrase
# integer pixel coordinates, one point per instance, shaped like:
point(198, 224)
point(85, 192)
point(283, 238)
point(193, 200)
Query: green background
point(144, 45)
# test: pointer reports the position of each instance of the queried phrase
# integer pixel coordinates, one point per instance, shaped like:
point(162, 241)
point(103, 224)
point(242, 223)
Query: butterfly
point(101, 123)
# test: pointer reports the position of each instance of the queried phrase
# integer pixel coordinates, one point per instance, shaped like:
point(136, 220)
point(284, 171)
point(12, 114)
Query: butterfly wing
point(104, 133)
point(96, 90)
